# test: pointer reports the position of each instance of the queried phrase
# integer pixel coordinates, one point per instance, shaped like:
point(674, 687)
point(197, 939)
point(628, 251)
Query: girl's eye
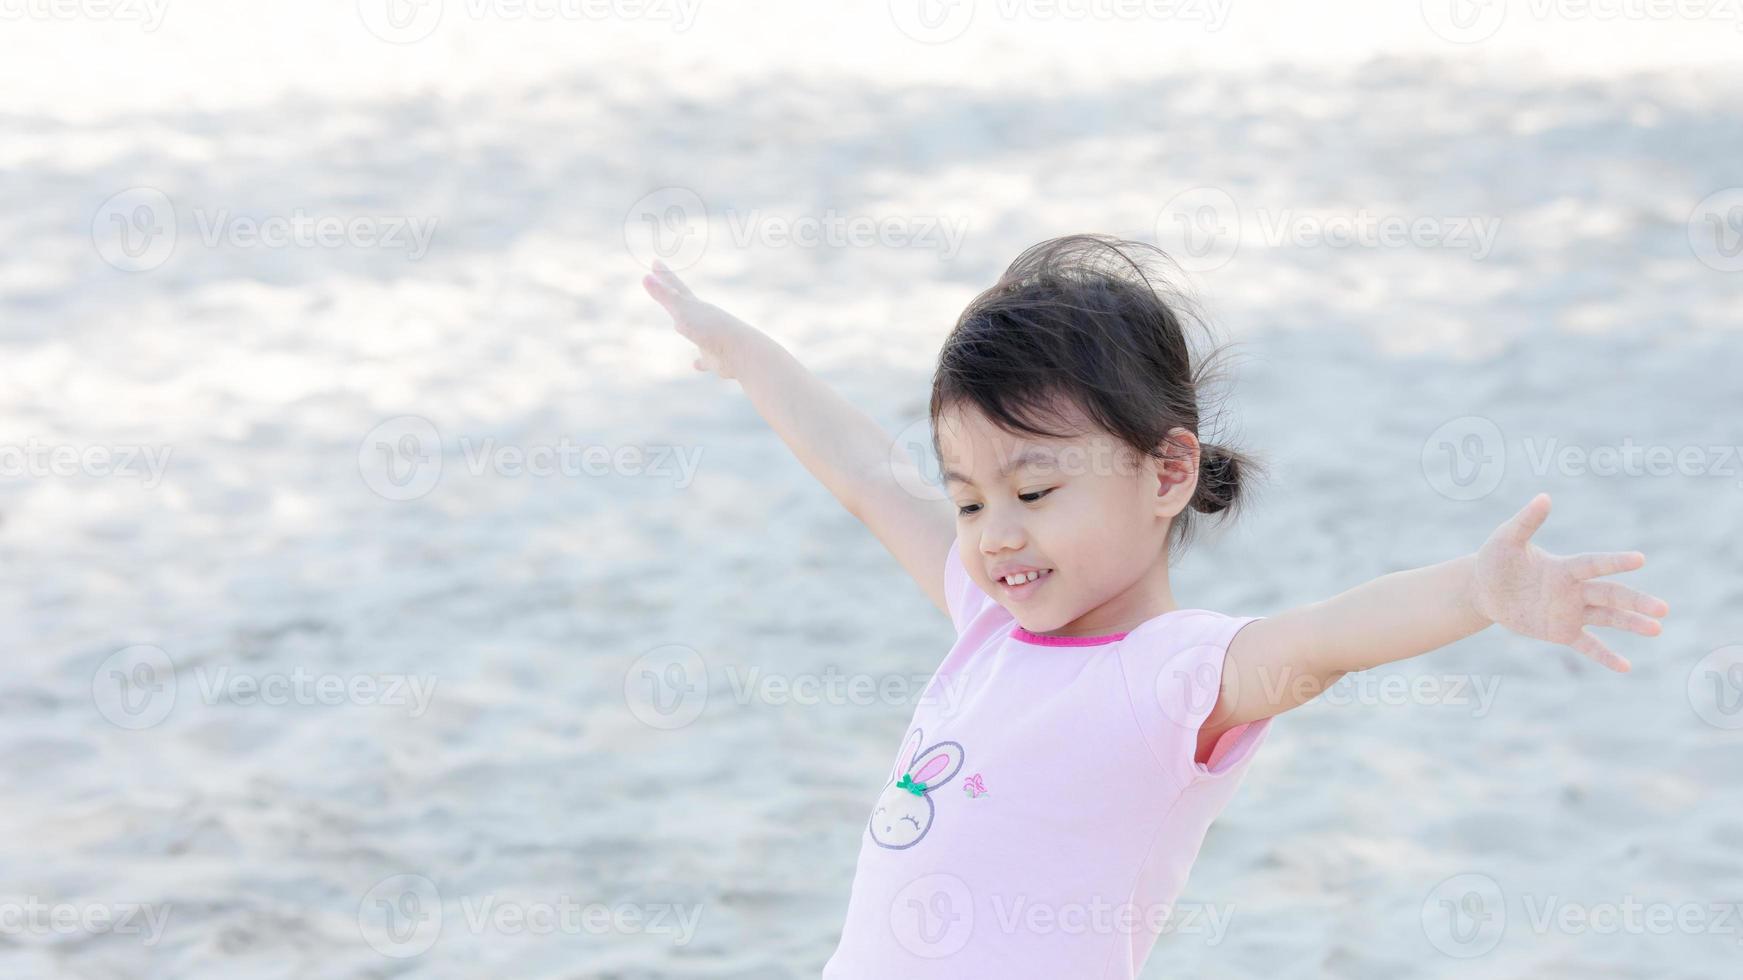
point(969, 510)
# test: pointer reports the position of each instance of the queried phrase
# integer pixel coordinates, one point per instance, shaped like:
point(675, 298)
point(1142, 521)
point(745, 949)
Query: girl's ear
point(905, 758)
point(1176, 472)
point(938, 763)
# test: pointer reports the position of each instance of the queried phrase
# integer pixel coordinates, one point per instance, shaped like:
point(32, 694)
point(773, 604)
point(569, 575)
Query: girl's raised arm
point(840, 445)
point(1283, 661)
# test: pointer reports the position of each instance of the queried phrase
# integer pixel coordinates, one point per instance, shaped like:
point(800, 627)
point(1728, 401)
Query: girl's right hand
point(720, 337)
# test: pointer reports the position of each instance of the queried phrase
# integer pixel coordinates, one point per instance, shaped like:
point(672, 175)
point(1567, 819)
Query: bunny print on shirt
point(904, 812)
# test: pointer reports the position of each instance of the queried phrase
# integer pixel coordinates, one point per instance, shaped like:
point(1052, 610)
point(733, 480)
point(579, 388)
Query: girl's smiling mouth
point(1023, 583)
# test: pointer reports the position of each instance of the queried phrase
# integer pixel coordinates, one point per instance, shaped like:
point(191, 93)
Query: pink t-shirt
point(1044, 808)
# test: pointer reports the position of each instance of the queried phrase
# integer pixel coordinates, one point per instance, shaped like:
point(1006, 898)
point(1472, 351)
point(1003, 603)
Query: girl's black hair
point(1095, 320)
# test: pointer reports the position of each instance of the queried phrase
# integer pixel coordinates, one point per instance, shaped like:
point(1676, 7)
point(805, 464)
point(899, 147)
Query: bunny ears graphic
point(919, 770)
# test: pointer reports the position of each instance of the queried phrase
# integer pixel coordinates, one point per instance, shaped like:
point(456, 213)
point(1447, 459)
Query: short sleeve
point(965, 599)
point(1174, 668)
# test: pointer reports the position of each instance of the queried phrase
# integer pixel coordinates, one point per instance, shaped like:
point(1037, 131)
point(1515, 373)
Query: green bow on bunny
point(907, 783)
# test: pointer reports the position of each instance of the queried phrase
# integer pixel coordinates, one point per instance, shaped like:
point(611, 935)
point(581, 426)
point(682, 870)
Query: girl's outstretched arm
point(842, 447)
point(1283, 661)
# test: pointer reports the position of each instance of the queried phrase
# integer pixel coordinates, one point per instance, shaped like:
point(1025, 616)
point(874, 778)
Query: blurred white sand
point(528, 599)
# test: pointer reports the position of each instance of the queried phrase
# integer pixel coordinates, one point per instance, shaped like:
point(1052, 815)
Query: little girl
point(1042, 819)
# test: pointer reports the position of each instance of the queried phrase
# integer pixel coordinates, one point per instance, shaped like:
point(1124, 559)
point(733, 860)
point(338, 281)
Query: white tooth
point(1031, 576)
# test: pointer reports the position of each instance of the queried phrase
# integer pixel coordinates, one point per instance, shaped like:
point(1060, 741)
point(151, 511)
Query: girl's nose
point(1001, 535)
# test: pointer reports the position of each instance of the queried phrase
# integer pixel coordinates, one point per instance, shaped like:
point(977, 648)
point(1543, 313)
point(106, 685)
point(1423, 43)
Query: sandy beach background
point(386, 596)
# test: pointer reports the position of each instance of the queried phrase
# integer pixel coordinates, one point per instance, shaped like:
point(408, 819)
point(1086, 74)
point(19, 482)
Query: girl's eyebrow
point(1027, 457)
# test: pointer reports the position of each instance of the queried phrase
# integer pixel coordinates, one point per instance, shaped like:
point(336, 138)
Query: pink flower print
point(974, 786)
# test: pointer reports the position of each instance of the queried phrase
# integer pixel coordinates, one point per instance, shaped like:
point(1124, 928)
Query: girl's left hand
point(1551, 597)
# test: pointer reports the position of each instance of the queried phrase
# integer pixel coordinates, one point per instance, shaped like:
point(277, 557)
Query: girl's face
point(1087, 513)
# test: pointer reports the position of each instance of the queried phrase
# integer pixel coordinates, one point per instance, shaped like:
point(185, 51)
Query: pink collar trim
point(1042, 639)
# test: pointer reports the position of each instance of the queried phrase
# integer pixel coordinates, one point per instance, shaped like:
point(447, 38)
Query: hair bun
point(1219, 479)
